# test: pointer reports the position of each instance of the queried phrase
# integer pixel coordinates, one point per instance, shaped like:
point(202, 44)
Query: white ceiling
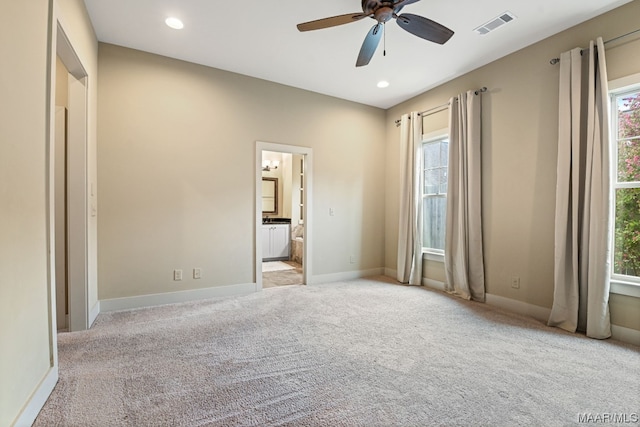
point(259, 38)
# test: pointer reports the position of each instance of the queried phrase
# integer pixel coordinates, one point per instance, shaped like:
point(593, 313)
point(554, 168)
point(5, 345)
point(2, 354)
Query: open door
point(60, 208)
point(77, 207)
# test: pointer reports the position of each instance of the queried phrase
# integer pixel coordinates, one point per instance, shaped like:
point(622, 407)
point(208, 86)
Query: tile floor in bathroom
point(292, 276)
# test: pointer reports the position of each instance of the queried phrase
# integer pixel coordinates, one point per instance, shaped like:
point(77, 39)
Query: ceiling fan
point(383, 11)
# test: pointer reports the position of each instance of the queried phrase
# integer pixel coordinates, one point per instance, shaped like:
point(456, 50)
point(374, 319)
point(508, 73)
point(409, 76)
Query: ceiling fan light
point(174, 23)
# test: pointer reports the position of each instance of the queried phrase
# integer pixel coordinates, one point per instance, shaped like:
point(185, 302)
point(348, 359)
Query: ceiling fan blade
point(331, 22)
point(424, 28)
point(370, 45)
point(402, 3)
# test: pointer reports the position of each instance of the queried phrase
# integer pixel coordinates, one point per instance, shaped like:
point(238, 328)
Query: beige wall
point(519, 158)
point(176, 173)
point(24, 307)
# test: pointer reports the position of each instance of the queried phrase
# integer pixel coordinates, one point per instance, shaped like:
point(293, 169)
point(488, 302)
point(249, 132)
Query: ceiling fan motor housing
point(382, 10)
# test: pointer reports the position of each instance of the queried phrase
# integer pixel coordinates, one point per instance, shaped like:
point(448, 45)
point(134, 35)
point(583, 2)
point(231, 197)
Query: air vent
point(495, 23)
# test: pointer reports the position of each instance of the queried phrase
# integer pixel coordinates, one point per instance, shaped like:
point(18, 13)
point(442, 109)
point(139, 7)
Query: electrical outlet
point(197, 273)
point(177, 275)
point(352, 259)
point(515, 282)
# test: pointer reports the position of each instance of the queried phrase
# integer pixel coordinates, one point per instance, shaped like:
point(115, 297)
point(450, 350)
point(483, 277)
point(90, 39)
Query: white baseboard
point(347, 275)
point(433, 284)
point(539, 313)
point(38, 399)
point(127, 303)
point(628, 335)
point(515, 306)
point(391, 273)
point(93, 313)
point(429, 283)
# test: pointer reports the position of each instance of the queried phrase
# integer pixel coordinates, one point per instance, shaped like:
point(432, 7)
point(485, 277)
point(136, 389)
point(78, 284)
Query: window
point(435, 155)
point(626, 185)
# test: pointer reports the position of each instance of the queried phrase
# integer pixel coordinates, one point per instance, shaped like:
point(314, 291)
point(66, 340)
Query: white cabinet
point(280, 241)
point(276, 241)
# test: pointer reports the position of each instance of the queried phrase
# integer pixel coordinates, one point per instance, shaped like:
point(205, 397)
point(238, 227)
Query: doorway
point(283, 205)
point(68, 189)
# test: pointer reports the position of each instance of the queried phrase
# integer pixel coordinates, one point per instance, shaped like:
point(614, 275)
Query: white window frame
point(432, 254)
point(620, 284)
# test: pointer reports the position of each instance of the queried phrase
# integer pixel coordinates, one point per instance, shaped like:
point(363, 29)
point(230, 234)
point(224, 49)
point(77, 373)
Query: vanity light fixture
point(382, 84)
point(174, 23)
point(268, 165)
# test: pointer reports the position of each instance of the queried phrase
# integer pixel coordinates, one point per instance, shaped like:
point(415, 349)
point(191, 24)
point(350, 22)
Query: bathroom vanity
point(276, 241)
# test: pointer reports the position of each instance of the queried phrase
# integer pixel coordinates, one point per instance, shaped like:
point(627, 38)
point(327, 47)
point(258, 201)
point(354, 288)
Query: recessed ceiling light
point(174, 23)
point(382, 84)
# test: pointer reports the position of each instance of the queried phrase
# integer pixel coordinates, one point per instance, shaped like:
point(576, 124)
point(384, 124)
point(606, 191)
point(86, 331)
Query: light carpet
point(271, 266)
point(359, 353)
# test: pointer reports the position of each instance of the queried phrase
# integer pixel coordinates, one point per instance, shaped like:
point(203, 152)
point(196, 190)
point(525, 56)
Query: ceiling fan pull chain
point(384, 35)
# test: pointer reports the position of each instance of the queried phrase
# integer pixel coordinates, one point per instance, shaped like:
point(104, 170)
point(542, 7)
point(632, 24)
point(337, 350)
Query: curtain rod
point(442, 107)
point(554, 61)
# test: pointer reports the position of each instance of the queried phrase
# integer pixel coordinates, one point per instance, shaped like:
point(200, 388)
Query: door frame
point(307, 153)
point(77, 178)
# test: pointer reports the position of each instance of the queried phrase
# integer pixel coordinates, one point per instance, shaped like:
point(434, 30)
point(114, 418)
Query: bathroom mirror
point(269, 195)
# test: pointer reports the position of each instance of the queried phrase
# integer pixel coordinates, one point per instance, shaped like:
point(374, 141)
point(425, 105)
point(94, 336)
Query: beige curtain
point(410, 224)
point(463, 256)
point(583, 196)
